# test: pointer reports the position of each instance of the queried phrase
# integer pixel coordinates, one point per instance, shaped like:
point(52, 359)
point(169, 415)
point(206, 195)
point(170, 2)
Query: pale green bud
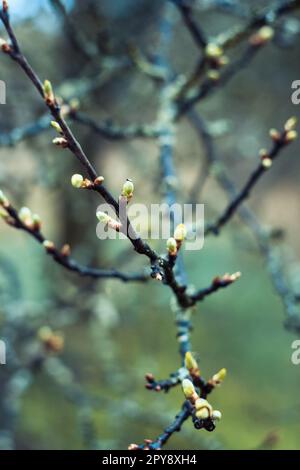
point(57, 127)
point(188, 388)
point(128, 188)
point(77, 181)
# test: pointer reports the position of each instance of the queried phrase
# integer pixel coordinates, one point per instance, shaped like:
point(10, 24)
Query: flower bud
point(128, 188)
point(25, 215)
point(213, 51)
point(190, 362)
point(263, 35)
point(49, 245)
point(188, 388)
point(36, 222)
point(275, 135)
point(3, 199)
point(77, 181)
point(172, 246)
point(290, 124)
point(57, 127)
point(180, 233)
point(48, 91)
point(99, 180)
point(52, 341)
point(103, 217)
point(107, 220)
point(266, 163)
point(203, 413)
point(216, 415)
point(66, 250)
point(291, 136)
point(74, 104)
point(220, 376)
point(213, 75)
point(5, 47)
point(200, 403)
point(60, 142)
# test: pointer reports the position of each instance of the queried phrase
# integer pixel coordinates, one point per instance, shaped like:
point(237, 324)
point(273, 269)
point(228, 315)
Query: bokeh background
point(92, 394)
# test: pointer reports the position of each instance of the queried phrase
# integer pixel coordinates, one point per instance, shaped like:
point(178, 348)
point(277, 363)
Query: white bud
point(77, 181)
point(216, 415)
point(25, 214)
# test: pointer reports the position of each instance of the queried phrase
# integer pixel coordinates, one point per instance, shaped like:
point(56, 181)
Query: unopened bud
point(216, 415)
point(290, 124)
point(5, 6)
point(202, 403)
point(220, 376)
point(99, 180)
point(49, 246)
point(190, 362)
point(275, 135)
point(203, 413)
point(48, 91)
point(172, 246)
point(188, 388)
point(3, 199)
point(213, 75)
point(66, 250)
point(290, 136)
point(77, 181)
point(128, 188)
point(266, 162)
point(57, 127)
point(103, 217)
point(74, 104)
point(36, 222)
point(60, 142)
point(5, 47)
point(263, 35)
point(25, 215)
point(213, 51)
point(107, 220)
point(180, 233)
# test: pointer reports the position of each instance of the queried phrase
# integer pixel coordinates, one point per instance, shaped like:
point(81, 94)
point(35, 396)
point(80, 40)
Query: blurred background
point(92, 394)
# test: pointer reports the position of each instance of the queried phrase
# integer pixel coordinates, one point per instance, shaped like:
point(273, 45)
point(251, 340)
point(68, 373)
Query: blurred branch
point(113, 131)
point(271, 259)
point(31, 225)
point(280, 141)
point(161, 440)
point(190, 22)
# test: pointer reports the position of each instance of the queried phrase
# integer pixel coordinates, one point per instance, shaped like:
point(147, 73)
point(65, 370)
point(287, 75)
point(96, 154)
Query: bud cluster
point(29, 220)
point(216, 59)
point(202, 409)
point(174, 243)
